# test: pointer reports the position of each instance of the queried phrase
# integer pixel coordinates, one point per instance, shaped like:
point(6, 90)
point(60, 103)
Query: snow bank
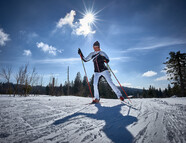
point(71, 119)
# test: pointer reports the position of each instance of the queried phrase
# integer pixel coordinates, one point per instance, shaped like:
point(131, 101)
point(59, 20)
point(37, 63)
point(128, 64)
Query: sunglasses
point(96, 46)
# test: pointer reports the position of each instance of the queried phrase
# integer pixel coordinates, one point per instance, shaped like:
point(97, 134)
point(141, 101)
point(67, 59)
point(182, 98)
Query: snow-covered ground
point(70, 119)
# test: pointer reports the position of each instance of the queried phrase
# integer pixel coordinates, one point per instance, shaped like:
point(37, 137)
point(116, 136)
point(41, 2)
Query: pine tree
point(144, 93)
point(160, 94)
point(47, 90)
point(165, 93)
point(78, 85)
point(65, 88)
point(150, 94)
point(176, 70)
point(60, 90)
point(169, 90)
point(176, 90)
point(86, 91)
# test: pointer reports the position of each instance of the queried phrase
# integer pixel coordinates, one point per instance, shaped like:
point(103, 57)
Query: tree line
point(77, 87)
point(31, 83)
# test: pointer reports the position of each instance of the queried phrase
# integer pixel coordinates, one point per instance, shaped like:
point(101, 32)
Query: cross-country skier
point(99, 57)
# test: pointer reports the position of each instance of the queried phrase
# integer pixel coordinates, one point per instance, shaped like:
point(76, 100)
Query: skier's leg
point(96, 79)
point(107, 76)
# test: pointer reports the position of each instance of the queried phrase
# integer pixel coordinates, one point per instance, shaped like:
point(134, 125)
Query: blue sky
point(137, 35)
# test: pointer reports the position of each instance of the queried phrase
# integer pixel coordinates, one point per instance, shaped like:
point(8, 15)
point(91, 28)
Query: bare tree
point(33, 78)
point(18, 79)
point(30, 80)
point(25, 80)
point(5, 73)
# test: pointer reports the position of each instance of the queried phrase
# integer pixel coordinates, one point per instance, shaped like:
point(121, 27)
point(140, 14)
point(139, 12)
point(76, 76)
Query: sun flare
point(87, 23)
point(89, 17)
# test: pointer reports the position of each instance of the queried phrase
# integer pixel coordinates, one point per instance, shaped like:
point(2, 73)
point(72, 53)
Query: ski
point(97, 103)
point(93, 103)
point(127, 103)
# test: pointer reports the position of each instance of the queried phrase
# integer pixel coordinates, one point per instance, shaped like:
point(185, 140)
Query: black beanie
point(96, 44)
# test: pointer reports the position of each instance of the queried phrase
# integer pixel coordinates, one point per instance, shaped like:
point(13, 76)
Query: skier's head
point(96, 46)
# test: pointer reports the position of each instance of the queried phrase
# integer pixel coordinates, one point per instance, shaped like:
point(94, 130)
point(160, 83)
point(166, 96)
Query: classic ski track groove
point(36, 127)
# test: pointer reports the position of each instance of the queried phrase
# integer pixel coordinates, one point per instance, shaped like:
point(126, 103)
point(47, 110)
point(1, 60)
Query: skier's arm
point(105, 57)
point(88, 58)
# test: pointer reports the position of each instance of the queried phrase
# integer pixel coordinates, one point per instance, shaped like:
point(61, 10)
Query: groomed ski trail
point(60, 119)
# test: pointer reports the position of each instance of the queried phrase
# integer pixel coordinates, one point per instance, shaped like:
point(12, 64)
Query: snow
point(71, 119)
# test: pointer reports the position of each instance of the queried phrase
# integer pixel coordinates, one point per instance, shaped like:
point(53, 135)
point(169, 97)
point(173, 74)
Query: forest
point(31, 83)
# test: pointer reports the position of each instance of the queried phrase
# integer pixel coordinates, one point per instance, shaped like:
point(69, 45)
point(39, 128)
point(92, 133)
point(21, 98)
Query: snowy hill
point(70, 119)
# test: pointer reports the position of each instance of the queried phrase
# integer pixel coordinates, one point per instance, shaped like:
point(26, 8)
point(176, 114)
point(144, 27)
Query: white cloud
point(155, 43)
point(82, 27)
point(47, 48)
point(49, 75)
point(65, 60)
point(161, 78)
point(67, 20)
point(122, 59)
point(3, 38)
point(149, 74)
point(161, 44)
point(29, 35)
point(126, 84)
point(27, 53)
point(59, 61)
point(32, 35)
point(60, 51)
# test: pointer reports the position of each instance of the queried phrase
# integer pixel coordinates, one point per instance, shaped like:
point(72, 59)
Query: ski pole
point(86, 77)
point(117, 81)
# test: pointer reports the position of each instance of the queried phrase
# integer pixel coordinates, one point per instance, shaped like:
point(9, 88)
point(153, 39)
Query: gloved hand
point(79, 52)
point(105, 59)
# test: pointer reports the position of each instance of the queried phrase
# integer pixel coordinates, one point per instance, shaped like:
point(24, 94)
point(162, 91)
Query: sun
point(90, 18)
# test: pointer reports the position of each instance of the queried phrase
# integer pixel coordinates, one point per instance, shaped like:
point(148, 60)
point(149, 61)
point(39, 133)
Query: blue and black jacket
point(99, 58)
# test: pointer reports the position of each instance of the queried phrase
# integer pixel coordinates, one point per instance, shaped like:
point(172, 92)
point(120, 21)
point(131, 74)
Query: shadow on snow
point(115, 122)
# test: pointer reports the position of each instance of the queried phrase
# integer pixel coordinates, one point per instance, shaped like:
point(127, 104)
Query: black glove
point(105, 59)
point(79, 52)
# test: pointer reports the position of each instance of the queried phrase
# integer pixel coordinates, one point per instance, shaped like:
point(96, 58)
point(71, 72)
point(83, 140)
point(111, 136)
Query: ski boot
point(95, 101)
point(121, 98)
